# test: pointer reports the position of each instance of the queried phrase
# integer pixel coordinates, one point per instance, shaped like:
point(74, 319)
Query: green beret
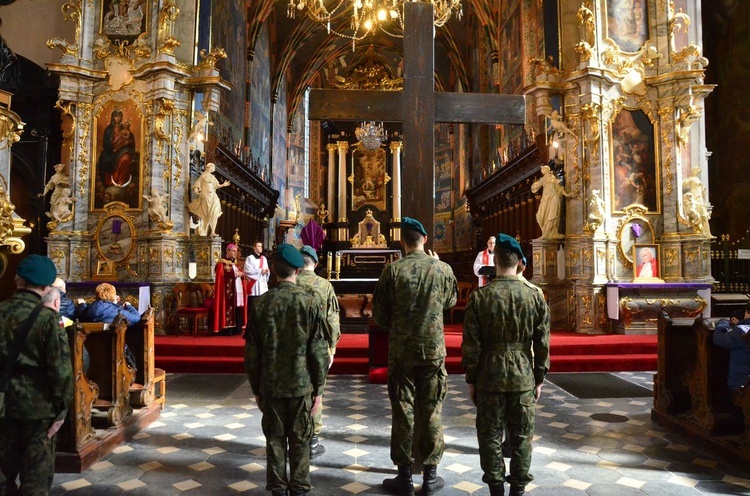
point(509, 243)
point(37, 270)
point(413, 224)
point(290, 255)
point(310, 252)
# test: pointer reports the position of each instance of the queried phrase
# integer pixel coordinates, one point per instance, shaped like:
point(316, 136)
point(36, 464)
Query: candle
point(329, 262)
point(338, 262)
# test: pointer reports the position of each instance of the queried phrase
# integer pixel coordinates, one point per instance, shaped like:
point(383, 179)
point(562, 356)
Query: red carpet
point(570, 352)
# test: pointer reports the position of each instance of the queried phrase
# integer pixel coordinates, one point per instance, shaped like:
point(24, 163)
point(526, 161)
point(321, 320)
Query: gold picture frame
point(105, 269)
point(646, 263)
point(117, 164)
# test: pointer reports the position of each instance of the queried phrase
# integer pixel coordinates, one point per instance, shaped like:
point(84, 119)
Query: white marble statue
point(59, 181)
point(548, 215)
point(695, 203)
point(156, 207)
point(206, 205)
point(60, 208)
point(557, 124)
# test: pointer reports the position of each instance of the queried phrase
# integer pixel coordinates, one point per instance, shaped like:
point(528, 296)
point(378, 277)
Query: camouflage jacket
point(323, 291)
point(287, 353)
point(41, 386)
point(410, 297)
point(506, 336)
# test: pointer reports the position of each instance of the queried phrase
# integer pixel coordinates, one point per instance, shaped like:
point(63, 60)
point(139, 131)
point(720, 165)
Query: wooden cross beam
point(419, 107)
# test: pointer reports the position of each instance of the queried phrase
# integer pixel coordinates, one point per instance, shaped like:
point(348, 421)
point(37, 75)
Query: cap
point(290, 255)
point(310, 252)
point(413, 224)
point(509, 243)
point(37, 270)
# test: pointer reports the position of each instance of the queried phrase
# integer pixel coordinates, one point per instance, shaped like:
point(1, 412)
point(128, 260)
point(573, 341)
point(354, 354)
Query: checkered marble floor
point(595, 447)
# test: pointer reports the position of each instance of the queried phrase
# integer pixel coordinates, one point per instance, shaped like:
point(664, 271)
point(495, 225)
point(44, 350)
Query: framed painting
point(634, 175)
point(105, 269)
point(124, 20)
point(368, 178)
point(627, 23)
point(646, 263)
point(118, 140)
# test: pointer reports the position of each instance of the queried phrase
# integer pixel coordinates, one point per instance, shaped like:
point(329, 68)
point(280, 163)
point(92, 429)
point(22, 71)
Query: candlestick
point(329, 263)
point(338, 265)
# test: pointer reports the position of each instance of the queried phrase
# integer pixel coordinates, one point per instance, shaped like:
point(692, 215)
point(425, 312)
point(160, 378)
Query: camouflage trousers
point(26, 452)
point(416, 391)
point(288, 428)
point(318, 419)
point(495, 411)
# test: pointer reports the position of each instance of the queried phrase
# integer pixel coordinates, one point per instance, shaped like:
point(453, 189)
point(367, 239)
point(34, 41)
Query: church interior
point(138, 138)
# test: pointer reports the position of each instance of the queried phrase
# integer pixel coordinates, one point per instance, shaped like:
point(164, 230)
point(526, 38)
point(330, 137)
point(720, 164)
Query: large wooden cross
point(419, 107)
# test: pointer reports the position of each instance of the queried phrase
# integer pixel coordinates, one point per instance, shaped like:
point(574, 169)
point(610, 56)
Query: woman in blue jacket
point(106, 307)
point(733, 335)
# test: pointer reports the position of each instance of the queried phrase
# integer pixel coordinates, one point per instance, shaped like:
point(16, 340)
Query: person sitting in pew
point(106, 307)
point(733, 335)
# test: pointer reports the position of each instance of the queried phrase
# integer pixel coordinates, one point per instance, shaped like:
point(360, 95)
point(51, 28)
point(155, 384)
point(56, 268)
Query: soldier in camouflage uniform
point(326, 296)
point(506, 356)
point(286, 360)
point(409, 300)
point(41, 384)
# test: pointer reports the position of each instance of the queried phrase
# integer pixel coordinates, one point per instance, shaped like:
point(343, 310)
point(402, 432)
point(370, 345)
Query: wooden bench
point(149, 385)
point(690, 392)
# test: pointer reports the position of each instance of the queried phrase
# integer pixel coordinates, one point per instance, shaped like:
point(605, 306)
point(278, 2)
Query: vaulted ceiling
point(304, 54)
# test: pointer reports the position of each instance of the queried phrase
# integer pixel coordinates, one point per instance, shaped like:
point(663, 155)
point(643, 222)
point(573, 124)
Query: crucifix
point(419, 107)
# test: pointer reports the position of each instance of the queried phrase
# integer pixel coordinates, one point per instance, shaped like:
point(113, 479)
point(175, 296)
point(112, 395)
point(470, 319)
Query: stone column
point(343, 230)
point(396, 179)
point(332, 182)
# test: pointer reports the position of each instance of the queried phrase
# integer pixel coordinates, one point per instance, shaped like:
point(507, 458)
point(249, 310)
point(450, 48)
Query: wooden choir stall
point(113, 399)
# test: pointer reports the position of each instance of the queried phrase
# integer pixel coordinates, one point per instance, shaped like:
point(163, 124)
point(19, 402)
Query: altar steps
point(570, 352)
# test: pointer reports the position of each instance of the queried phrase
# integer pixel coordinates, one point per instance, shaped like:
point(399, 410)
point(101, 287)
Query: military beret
point(509, 243)
point(37, 270)
point(414, 225)
point(290, 255)
point(310, 252)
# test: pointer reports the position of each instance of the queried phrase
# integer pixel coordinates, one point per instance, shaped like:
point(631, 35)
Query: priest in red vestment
point(230, 312)
point(485, 259)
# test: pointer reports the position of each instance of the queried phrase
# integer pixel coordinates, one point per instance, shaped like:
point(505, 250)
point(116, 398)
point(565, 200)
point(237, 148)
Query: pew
point(690, 392)
point(149, 385)
point(101, 415)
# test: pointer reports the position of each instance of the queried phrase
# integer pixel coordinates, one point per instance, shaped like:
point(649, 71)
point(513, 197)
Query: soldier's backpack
point(22, 332)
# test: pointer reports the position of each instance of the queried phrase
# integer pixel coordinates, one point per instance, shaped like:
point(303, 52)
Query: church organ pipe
point(343, 147)
point(331, 207)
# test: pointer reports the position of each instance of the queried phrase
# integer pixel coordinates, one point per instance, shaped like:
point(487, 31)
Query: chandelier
point(371, 135)
point(369, 16)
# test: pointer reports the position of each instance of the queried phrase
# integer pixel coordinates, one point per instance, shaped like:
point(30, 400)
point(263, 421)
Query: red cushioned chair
point(194, 302)
point(464, 290)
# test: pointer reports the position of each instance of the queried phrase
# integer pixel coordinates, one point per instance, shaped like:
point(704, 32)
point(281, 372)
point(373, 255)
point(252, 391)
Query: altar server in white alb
point(257, 271)
point(485, 258)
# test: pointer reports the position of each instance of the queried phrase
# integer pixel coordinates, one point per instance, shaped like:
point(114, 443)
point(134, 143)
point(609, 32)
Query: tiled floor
point(216, 447)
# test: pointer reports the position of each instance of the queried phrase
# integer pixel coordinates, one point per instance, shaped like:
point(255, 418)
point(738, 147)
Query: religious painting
point(105, 268)
point(443, 169)
point(228, 30)
point(627, 23)
point(118, 141)
point(443, 233)
point(124, 20)
point(634, 177)
point(646, 262)
point(368, 178)
point(510, 50)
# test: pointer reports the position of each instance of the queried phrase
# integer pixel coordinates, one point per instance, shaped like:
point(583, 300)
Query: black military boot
point(402, 484)
point(279, 493)
point(497, 490)
point(316, 449)
point(431, 482)
point(517, 490)
point(297, 492)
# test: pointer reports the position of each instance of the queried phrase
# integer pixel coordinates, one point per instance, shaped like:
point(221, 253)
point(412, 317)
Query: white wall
point(28, 24)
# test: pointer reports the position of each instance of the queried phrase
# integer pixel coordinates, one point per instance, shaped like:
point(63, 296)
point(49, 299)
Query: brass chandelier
point(369, 16)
